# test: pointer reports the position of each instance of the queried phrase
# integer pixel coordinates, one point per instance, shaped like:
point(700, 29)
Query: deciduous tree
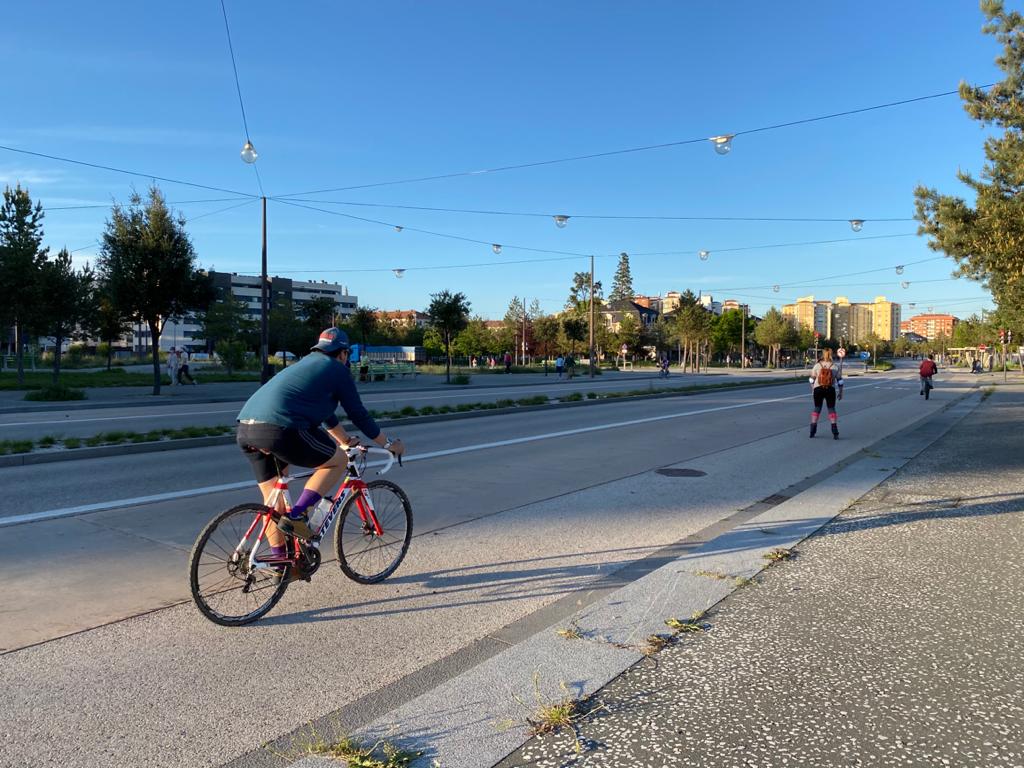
point(449, 314)
point(149, 267)
point(21, 264)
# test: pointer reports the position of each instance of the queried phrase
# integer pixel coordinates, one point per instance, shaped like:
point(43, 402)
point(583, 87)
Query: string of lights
point(108, 205)
point(238, 89)
point(722, 145)
point(615, 217)
point(151, 176)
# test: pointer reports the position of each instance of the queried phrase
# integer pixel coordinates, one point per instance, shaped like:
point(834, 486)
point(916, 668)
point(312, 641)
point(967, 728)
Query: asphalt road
point(144, 416)
point(512, 513)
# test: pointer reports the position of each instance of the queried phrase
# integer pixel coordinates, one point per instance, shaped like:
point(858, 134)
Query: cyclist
point(825, 379)
point(291, 420)
point(927, 370)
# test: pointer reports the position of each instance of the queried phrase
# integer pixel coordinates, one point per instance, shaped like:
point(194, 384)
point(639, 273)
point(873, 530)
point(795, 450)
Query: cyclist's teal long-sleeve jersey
point(307, 394)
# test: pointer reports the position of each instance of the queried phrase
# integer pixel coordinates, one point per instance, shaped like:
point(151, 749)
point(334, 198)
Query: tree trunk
point(19, 352)
point(110, 354)
point(154, 337)
point(59, 338)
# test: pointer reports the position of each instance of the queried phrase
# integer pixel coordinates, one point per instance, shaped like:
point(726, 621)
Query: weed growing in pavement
point(47, 442)
point(356, 754)
point(591, 395)
point(778, 555)
point(553, 716)
point(743, 581)
point(570, 632)
point(693, 624)
point(656, 643)
point(573, 397)
point(72, 442)
point(712, 575)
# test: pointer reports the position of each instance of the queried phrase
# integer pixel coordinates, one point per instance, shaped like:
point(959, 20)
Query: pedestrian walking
point(559, 365)
point(173, 363)
point(927, 370)
point(825, 379)
point(508, 362)
point(183, 372)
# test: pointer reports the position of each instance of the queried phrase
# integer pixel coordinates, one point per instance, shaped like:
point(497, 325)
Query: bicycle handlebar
point(355, 450)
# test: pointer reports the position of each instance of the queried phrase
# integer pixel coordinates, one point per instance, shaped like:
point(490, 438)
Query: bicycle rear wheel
point(224, 587)
point(364, 556)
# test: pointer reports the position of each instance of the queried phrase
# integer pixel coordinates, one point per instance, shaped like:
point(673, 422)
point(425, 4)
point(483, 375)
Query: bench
point(383, 371)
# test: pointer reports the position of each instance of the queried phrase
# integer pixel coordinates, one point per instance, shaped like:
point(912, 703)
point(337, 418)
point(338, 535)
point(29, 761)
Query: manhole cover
point(671, 472)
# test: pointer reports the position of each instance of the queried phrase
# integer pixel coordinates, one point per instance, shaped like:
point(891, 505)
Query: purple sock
point(306, 500)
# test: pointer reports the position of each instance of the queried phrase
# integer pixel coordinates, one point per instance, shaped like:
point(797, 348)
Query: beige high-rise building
point(851, 322)
point(808, 313)
point(886, 318)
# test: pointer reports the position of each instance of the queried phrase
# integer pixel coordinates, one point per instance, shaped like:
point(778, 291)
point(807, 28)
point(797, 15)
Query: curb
point(27, 459)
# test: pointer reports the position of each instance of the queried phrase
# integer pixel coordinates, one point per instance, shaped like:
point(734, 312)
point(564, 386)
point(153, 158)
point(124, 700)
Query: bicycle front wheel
point(225, 588)
point(365, 556)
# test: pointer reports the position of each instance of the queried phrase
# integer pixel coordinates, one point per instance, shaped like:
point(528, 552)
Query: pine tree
point(21, 264)
point(985, 238)
point(622, 283)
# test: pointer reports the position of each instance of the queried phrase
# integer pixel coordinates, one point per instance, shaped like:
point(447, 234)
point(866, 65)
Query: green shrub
point(407, 411)
point(463, 407)
point(72, 442)
point(535, 400)
point(57, 393)
point(460, 378)
point(444, 409)
point(572, 397)
point(505, 403)
point(47, 442)
point(428, 410)
point(591, 395)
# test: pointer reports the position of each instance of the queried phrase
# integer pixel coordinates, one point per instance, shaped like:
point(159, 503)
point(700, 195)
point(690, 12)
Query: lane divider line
point(104, 506)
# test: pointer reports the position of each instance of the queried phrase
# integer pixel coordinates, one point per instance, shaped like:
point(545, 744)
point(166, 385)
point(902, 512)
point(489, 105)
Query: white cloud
point(27, 176)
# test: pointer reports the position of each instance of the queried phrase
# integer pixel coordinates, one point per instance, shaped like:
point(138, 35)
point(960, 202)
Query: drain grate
point(774, 499)
point(672, 472)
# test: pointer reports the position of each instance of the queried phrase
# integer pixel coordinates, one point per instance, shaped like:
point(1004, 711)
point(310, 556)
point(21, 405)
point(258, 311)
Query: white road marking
point(171, 495)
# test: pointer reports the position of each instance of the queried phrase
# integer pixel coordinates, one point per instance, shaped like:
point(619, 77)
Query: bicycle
point(235, 579)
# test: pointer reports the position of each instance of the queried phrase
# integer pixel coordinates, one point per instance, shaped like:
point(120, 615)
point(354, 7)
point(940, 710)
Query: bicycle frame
point(281, 499)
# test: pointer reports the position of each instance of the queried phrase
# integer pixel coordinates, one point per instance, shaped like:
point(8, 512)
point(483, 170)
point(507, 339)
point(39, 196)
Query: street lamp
point(856, 224)
point(496, 248)
point(899, 269)
point(561, 221)
point(723, 144)
point(249, 156)
point(398, 272)
point(905, 284)
point(775, 288)
point(398, 228)
point(703, 255)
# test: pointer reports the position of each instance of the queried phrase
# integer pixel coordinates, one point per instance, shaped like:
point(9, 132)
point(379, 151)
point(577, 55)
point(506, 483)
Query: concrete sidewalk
point(894, 637)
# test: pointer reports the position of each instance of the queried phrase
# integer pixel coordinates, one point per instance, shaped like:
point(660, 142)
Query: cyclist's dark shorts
point(826, 395)
point(290, 445)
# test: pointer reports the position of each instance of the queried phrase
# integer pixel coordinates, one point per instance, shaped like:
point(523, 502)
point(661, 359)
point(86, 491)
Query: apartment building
point(885, 318)
point(808, 313)
point(931, 326)
point(404, 318)
point(246, 289)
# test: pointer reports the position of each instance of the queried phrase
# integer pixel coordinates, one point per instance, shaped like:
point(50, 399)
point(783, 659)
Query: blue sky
point(342, 94)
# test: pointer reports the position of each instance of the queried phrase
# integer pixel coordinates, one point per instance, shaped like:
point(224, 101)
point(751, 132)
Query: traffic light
point(1002, 335)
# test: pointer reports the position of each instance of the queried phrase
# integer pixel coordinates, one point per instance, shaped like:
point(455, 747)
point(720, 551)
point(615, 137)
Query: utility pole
point(264, 306)
point(590, 356)
point(743, 338)
point(524, 330)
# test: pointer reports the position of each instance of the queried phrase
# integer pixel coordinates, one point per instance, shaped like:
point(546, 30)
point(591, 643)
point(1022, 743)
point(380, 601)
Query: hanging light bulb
point(561, 221)
point(703, 255)
point(398, 272)
point(496, 248)
point(899, 269)
point(856, 224)
point(905, 284)
point(398, 228)
point(912, 304)
point(775, 288)
point(249, 153)
point(723, 144)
